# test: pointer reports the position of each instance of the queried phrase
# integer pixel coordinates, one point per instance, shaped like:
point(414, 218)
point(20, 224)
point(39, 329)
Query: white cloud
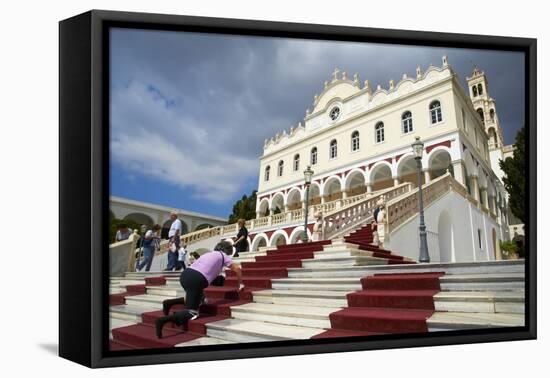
point(160, 142)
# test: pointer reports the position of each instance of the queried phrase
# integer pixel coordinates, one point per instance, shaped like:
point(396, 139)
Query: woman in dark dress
point(241, 243)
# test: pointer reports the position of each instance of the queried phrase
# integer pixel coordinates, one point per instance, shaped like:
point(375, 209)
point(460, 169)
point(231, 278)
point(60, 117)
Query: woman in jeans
point(194, 280)
point(150, 244)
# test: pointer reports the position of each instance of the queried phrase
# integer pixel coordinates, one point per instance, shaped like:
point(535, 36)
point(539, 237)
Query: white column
point(427, 176)
point(258, 214)
point(395, 180)
point(484, 197)
point(458, 171)
point(475, 187)
point(344, 194)
point(369, 188)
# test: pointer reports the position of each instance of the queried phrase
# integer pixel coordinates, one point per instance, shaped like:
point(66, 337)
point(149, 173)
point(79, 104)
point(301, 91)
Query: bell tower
point(485, 106)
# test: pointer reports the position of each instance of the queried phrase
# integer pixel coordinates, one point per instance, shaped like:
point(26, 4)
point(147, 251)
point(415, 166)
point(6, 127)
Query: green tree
point(515, 171)
point(244, 208)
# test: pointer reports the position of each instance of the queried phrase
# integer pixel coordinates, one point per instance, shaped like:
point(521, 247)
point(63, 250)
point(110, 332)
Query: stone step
point(130, 312)
point(147, 300)
point(493, 267)
point(116, 289)
point(302, 316)
point(302, 297)
point(250, 254)
point(314, 284)
point(204, 341)
point(443, 321)
point(117, 323)
point(342, 252)
point(242, 331)
point(319, 262)
point(126, 281)
point(486, 282)
point(144, 274)
point(166, 290)
point(480, 302)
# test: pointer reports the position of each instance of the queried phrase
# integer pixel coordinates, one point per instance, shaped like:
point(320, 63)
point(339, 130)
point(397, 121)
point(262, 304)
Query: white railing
point(292, 216)
point(400, 210)
point(348, 217)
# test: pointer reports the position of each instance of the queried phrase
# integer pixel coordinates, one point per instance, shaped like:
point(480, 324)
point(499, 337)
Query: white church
point(357, 140)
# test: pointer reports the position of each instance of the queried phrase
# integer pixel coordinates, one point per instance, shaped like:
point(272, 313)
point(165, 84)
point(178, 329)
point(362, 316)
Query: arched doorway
point(264, 208)
point(355, 184)
point(439, 162)
point(407, 171)
point(332, 189)
point(258, 242)
point(381, 177)
point(314, 194)
point(278, 239)
point(445, 237)
point(294, 199)
point(297, 234)
point(278, 204)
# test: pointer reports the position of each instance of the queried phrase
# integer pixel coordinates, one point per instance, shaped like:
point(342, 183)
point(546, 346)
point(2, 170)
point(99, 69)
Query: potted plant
point(509, 250)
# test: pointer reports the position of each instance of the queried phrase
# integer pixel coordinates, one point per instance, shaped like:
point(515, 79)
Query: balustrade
point(358, 211)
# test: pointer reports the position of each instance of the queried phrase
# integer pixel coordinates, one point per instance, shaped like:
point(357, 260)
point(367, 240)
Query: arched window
point(480, 113)
point(435, 112)
point(333, 149)
point(267, 171)
point(281, 166)
point(492, 115)
point(407, 122)
point(296, 162)
point(355, 141)
point(480, 89)
point(474, 90)
point(313, 156)
point(379, 132)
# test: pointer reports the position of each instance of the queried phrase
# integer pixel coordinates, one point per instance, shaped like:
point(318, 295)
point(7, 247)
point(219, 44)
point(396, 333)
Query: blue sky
point(190, 112)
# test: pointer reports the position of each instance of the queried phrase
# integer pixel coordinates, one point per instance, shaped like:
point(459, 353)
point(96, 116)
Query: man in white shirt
point(174, 235)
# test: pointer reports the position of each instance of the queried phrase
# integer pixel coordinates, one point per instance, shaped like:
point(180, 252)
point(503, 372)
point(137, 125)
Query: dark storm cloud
point(194, 109)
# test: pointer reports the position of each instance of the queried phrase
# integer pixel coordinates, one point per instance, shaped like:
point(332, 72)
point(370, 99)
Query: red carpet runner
point(388, 303)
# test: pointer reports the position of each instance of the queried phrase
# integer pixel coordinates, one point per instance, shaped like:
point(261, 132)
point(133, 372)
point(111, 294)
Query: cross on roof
point(335, 74)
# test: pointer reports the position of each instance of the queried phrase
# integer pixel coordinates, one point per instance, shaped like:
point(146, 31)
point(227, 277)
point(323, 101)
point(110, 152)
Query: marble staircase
point(325, 290)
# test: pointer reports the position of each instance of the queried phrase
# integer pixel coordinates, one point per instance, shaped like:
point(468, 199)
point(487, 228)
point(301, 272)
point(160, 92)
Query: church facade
point(357, 140)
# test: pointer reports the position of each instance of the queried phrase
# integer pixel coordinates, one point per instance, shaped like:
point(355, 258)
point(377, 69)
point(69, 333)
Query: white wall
point(465, 219)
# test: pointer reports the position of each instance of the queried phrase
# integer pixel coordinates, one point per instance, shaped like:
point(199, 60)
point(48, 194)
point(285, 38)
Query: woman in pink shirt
point(194, 280)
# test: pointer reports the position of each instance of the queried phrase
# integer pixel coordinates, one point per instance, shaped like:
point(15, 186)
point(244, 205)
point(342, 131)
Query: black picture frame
point(84, 186)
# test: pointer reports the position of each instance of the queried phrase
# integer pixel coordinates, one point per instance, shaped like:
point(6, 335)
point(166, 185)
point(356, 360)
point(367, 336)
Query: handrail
point(400, 210)
point(348, 217)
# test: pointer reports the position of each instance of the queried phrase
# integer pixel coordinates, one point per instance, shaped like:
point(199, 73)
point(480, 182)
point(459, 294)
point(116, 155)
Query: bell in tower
point(485, 107)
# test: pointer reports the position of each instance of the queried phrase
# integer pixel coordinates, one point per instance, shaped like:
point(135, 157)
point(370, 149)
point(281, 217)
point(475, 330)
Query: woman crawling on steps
point(194, 280)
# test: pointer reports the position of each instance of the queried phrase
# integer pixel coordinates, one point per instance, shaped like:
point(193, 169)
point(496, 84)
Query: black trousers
point(194, 284)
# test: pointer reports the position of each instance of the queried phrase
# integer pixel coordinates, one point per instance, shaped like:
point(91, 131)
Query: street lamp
point(418, 149)
point(308, 173)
